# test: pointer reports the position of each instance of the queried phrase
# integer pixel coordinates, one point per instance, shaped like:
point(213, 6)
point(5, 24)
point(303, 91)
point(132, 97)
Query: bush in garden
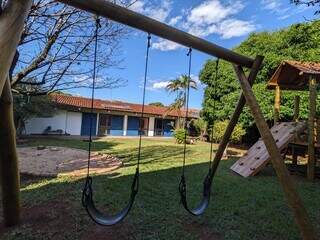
point(179, 135)
point(221, 126)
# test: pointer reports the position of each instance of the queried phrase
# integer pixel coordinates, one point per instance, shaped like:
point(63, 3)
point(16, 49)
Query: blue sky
point(225, 23)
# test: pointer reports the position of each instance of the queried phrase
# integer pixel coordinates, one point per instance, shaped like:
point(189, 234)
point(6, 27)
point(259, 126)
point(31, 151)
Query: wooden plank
point(257, 156)
point(130, 18)
point(311, 128)
point(300, 214)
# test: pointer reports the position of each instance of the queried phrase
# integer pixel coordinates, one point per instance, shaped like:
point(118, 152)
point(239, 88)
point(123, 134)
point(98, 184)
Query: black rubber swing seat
point(206, 193)
point(101, 218)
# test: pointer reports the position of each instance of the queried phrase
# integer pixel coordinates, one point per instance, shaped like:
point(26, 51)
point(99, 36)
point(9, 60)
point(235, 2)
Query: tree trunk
point(9, 173)
point(11, 25)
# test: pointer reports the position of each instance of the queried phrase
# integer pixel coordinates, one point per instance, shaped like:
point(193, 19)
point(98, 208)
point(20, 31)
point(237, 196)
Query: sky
point(226, 23)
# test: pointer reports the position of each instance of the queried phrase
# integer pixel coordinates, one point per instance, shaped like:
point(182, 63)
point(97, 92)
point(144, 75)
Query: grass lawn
point(240, 208)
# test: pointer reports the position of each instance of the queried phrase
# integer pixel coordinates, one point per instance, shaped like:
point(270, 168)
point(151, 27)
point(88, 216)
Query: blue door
point(85, 125)
point(133, 126)
point(168, 126)
point(116, 126)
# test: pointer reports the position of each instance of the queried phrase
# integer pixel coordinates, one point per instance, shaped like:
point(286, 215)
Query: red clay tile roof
point(98, 104)
point(294, 75)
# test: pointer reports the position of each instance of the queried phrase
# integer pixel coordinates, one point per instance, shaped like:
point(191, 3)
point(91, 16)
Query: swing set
point(130, 18)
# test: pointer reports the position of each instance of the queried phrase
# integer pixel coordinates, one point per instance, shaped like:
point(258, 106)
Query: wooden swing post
point(300, 213)
point(235, 116)
point(12, 19)
point(277, 102)
point(311, 128)
point(9, 173)
point(296, 111)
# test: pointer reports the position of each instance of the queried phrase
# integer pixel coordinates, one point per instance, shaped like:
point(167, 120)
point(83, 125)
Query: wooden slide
point(257, 156)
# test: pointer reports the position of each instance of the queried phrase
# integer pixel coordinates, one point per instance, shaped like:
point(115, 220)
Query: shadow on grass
point(151, 154)
point(71, 143)
point(240, 208)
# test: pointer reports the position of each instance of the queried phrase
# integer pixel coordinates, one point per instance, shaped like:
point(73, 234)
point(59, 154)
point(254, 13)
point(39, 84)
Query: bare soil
point(54, 161)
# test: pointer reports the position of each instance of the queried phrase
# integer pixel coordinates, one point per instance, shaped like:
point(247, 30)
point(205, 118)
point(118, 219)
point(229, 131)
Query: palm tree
point(179, 86)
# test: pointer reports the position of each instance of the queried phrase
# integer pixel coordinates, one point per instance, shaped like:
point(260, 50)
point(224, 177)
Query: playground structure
point(294, 76)
point(11, 24)
point(257, 156)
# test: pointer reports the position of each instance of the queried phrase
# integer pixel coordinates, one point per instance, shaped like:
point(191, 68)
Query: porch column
point(125, 125)
point(97, 125)
point(151, 126)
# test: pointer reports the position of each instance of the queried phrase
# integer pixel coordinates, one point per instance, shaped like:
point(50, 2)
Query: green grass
point(240, 208)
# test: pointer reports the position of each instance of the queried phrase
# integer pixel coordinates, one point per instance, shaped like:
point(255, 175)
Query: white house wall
point(69, 122)
point(38, 125)
point(74, 120)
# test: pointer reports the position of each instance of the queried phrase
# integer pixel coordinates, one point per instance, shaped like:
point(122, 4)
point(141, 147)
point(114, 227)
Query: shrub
point(220, 127)
point(179, 135)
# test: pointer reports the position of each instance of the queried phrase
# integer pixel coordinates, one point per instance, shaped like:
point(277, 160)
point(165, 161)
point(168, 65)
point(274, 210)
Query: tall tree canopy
point(298, 42)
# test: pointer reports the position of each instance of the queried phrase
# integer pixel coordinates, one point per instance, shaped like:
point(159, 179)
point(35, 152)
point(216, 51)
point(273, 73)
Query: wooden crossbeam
point(130, 18)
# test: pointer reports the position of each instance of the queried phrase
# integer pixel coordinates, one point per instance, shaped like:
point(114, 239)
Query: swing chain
point(214, 109)
point(135, 183)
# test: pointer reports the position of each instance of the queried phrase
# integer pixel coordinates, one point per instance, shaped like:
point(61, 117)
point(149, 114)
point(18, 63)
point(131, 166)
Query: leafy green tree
point(298, 42)
point(219, 129)
point(26, 107)
point(201, 126)
point(178, 86)
point(157, 104)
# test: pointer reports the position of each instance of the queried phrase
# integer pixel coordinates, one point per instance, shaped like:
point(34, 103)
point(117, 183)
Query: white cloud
point(210, 17)
point(235, 28)
point(160, 85)
point(276, 7)
point(157, 11)
point(212, 11)
point(165, 45)
point(175, 20)
point(273, 5)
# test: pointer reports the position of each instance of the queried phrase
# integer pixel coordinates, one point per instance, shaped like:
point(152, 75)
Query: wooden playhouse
point(296, 137)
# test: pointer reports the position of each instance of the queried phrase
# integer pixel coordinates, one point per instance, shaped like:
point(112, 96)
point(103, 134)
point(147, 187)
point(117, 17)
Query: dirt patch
point(116, 232)
point(202, 231)
point(49, 220)
point(54, 161)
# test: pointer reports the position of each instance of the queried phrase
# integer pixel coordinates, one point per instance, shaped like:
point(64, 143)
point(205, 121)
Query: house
point(110, 118)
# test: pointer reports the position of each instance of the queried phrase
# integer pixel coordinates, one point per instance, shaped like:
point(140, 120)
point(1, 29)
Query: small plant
point(179, 135)
point(201, 126)
point(219, 129)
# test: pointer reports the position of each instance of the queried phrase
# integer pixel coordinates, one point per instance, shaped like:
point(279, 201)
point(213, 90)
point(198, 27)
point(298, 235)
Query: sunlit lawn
point(240, 208)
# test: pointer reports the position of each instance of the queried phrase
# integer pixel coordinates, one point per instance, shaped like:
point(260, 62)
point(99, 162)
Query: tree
point(297, 42)
point(27, 107)
point(309, 3)
point(157, 104)
point(201, 126)
point(55, 50)
point(178, 86)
